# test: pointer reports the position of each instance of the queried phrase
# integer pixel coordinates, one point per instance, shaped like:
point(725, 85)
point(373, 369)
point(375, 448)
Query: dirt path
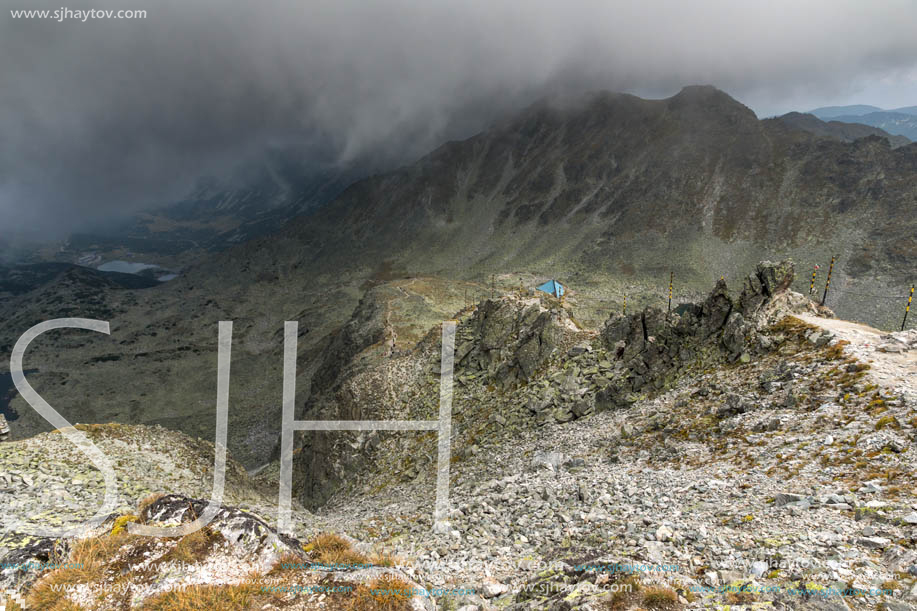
point(895, 372)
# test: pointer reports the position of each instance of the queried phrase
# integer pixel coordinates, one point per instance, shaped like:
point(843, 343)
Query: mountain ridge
point(839, 130)
point(829, 112)
point(897, 121)
point(749, 143)
point(893, 122)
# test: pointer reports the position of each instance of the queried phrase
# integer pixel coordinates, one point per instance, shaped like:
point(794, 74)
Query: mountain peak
point(708, 99)
point(700, 91)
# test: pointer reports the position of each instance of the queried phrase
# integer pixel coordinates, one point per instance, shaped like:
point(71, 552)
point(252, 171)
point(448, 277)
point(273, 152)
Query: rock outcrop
point(365, 328)
point(238, 556)
point(510, 340)
point(652, 345)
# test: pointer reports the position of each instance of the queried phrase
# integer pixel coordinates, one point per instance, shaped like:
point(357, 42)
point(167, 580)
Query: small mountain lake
point(139, 269)
point(125, 267)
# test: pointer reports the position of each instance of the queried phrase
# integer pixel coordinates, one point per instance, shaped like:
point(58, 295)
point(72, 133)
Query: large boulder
point(767, 281)
point(511, 339)
point(715, 310)
point(737, 335)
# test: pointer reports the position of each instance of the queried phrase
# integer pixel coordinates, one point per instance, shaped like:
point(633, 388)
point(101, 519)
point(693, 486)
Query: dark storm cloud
point(112, 115)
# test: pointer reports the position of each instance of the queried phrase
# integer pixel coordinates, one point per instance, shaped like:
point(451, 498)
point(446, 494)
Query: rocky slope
point(771, 466)
point(516, 350)
point(238, 561)
point(729, 453)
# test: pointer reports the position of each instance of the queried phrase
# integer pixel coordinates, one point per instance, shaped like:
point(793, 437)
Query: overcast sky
point(113, 115)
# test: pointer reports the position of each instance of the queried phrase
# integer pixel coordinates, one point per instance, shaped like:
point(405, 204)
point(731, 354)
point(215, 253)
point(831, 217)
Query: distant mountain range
point(839, 130)
point(897, 121)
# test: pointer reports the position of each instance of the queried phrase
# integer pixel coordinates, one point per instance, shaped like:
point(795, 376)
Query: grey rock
point(820, 338)
point(873, 542)
point(492, 590)
point(664, 533)
point(584, 407)
point(758, 568)
point(562, 415)
point(579, 349)
point(574, 463)
point(734, 334)
point(729, 576)
point(539, 404)
point(785, 498)
point(551, 460)
point(734, 405)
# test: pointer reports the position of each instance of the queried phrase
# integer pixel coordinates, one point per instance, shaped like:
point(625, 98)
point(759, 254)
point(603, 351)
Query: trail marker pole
point(812, 284)
point(493, 285)
point(671, 279)
point(828, 283)
point(908, 308)
point(624, 311)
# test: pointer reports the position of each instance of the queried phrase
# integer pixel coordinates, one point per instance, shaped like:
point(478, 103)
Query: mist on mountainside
point(379, 84)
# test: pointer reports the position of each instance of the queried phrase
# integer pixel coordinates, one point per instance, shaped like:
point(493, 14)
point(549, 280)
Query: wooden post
point(624, 311)
point(828, 283)
point(908, 308)
point(493, 284)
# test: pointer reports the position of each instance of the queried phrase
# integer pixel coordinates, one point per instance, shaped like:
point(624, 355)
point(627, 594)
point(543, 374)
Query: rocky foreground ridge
point(238, 561)
point(731, 452)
